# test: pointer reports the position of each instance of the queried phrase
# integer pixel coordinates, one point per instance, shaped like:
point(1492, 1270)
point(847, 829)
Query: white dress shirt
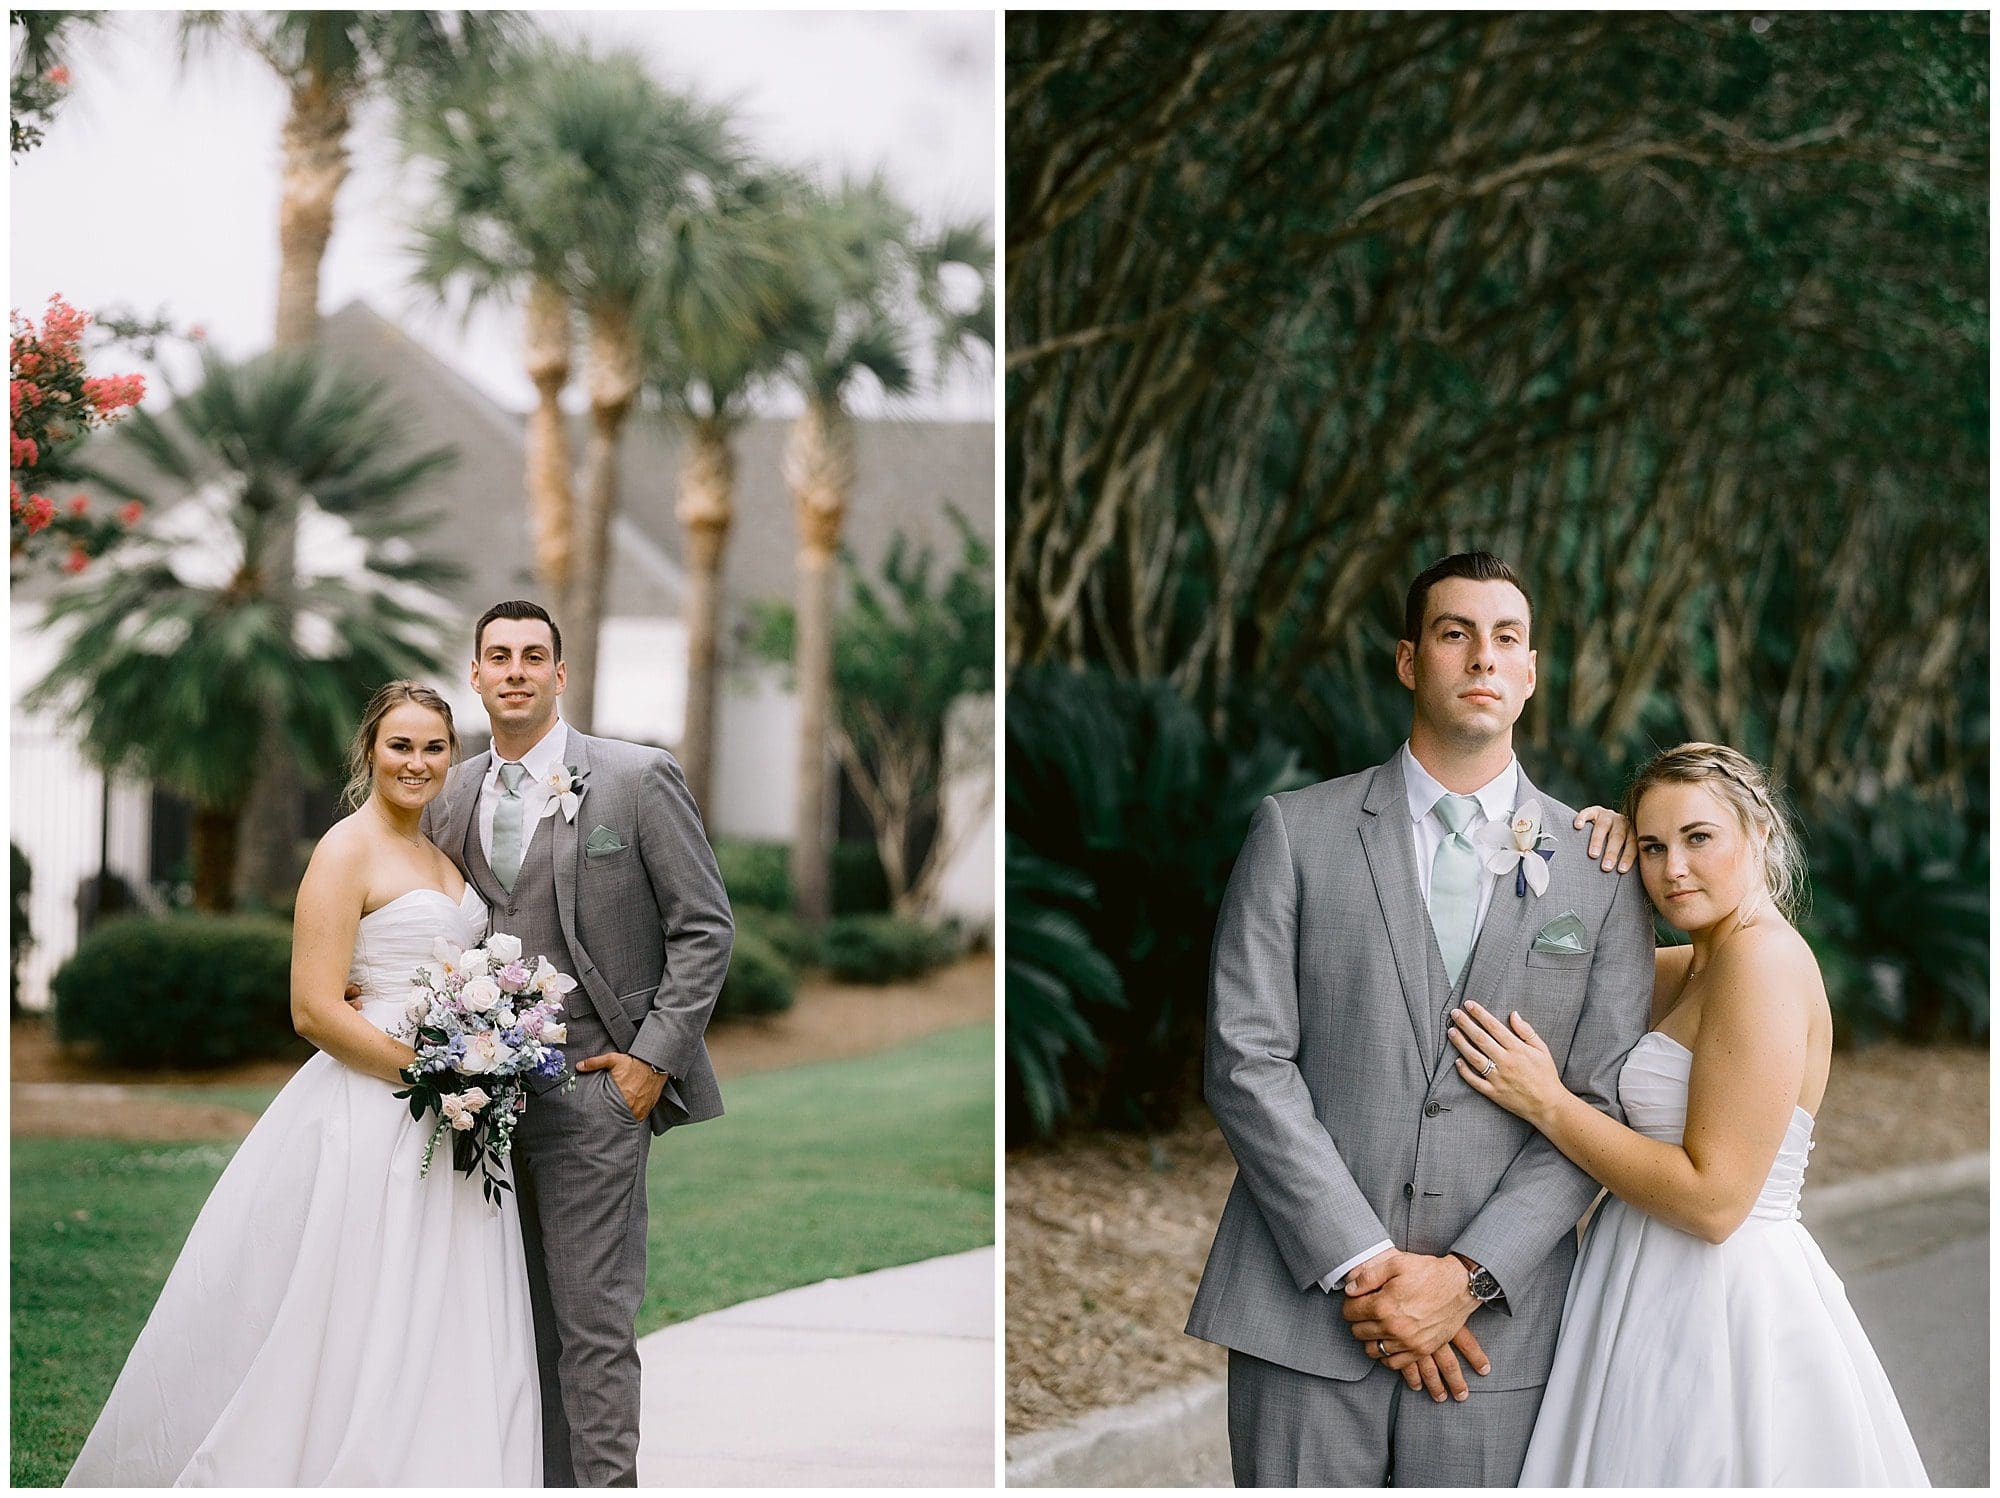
point(1421, 791)
point(540, 762)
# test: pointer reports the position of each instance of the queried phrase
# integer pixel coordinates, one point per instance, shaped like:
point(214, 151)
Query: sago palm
point(328, 62)
point(178, 656)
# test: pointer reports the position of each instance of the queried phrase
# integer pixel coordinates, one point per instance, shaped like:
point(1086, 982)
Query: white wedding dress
point(335, 1319)
point(1683, 1363)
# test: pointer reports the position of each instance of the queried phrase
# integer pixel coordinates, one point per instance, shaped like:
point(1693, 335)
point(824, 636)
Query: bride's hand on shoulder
point(1612, 841)
point(1506, 1061)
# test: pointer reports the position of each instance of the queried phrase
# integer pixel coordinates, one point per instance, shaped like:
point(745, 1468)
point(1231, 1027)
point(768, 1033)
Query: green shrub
point(1055, 977)
point(754, 874)
point(1121, 785)
point(184, 991)
point(788, 938)
point(758, 877)
point(883, 948)
point(760, 981)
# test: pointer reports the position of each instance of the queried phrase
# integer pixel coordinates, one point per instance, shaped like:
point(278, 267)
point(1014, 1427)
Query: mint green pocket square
point(602, 840)
point(1563, 934)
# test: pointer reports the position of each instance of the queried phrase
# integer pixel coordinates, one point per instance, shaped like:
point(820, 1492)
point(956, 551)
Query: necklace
point(414, 842)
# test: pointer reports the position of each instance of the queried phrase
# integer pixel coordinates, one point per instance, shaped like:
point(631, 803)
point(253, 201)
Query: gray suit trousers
point(1296, 1430)
point(580, 1174)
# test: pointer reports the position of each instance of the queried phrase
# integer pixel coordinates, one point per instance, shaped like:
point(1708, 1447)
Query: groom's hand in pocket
point(636, 1082)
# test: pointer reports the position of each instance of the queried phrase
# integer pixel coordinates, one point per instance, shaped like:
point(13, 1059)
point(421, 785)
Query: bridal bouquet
point(484, 1024)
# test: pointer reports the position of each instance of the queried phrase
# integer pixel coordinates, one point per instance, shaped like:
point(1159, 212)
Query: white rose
point(480, 995)
point(479, 1055)
point(504, 1019)
point(503, 948)
point(474, 1098)
point(555, 1034)
point(474, 964)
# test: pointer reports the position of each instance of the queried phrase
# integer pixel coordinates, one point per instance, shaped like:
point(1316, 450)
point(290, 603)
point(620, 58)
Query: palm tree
point(728, 312)
point(877, 279)
point(589, 167)
point(328, 61)
point(177, 664)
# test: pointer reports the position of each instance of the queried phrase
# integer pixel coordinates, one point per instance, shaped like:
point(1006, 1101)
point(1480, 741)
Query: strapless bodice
point(392, 941)
point(1653, 1090)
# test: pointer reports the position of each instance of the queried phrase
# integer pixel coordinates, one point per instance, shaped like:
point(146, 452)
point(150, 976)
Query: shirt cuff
point(1332, 1282)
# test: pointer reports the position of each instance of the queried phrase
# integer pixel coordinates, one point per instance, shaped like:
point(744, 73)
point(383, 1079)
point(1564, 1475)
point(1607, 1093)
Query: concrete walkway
point(881, 1380)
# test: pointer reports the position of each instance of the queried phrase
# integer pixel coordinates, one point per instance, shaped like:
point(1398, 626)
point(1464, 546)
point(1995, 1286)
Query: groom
point(618, 889)
point(1391, 1232)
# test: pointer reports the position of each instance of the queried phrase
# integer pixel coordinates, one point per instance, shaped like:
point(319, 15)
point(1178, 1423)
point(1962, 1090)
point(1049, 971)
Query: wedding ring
point(1381, 1348)
point(1488, 1071)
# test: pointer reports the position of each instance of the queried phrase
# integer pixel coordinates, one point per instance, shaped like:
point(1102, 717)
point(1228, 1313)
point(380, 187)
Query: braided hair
point(1743, 783)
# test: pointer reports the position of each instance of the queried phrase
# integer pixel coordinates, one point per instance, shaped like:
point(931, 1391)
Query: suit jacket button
point(1432, 1109)
point(1409, 1190)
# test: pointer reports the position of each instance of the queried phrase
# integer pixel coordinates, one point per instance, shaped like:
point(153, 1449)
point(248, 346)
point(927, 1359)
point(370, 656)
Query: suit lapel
point(460, 813)
point(1392, 864)
point(565, 850)
point(1486, 969)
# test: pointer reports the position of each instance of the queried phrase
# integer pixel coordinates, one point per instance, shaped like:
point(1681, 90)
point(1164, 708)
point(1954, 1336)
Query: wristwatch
point(1482, 1286)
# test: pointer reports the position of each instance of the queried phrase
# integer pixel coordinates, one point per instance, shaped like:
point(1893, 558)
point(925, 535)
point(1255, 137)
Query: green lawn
point(816, 1171)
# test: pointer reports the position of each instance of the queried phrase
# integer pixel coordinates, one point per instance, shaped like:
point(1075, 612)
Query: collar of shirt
point(1421, 789)
point(541, 761)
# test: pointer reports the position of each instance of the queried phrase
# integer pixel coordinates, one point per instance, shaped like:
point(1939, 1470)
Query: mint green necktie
point(507, 827)
point(1455, 884)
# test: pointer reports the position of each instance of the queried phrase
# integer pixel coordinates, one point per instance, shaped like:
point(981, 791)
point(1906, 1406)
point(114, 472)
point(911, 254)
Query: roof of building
point(907, 472)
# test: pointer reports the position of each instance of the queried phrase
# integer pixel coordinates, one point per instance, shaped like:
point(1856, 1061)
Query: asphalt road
point(1917, 1277)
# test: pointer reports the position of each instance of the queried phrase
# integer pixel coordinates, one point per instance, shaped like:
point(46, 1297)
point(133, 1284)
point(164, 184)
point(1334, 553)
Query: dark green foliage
point(787, 935)
point(1898, 920)
point(19, 937)
point(755, 875)
point(185, 991)
point(1055, 979)
point(760, 981)
point(1121, 785)
point(883, 948)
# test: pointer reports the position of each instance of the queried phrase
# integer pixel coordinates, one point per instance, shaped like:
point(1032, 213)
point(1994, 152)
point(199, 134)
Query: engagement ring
point(1488, 1070)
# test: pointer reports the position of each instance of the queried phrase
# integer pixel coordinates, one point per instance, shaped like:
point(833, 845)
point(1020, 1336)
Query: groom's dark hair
point(516, 608)
point(1480, 566)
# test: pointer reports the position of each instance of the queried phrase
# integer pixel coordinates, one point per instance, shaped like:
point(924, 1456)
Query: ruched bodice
point(1653, 1091)
point(394, 939)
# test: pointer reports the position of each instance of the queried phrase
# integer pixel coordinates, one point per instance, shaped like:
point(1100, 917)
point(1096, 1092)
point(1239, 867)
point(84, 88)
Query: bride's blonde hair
point(361, 751)
point(1743, 783)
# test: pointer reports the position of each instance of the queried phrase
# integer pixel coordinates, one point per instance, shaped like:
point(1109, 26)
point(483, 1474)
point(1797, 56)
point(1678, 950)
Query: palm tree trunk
point(614, 384)
point(708, 472)
point(819, 467)
point(549, 501)
point(315, 165)
point(314, 147)
point(213, 851)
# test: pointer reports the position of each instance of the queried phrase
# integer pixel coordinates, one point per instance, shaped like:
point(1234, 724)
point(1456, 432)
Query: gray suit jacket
point(1328, 1069)
point(648, 926)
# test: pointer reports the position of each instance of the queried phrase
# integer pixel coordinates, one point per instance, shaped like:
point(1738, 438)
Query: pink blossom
point(129, 513)
point(110, 393)
point(58, 75)
point(77, 560)
point(22, 452)
point(79, 504)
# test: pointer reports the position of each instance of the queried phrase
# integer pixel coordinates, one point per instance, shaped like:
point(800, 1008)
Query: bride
point(1705, 1340)
point(335, 1318)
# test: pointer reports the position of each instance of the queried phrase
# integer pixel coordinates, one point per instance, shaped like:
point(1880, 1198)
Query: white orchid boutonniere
point(1519, 844)
point(566, 790)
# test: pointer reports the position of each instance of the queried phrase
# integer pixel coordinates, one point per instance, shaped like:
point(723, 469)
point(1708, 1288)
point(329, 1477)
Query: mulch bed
point(1106, 1233)
point(828, 1022)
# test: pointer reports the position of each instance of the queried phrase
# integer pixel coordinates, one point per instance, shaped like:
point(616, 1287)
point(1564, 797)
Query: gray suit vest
point(529, 913)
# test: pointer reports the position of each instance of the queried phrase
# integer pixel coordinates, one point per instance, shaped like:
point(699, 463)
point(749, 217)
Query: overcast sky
point(158, 186)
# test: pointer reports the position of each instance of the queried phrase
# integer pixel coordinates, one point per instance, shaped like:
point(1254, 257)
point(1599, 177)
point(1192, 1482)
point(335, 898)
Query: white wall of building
point(56, 801)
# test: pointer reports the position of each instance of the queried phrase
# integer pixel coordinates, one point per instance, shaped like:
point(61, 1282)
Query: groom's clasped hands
point(1409, 1311)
